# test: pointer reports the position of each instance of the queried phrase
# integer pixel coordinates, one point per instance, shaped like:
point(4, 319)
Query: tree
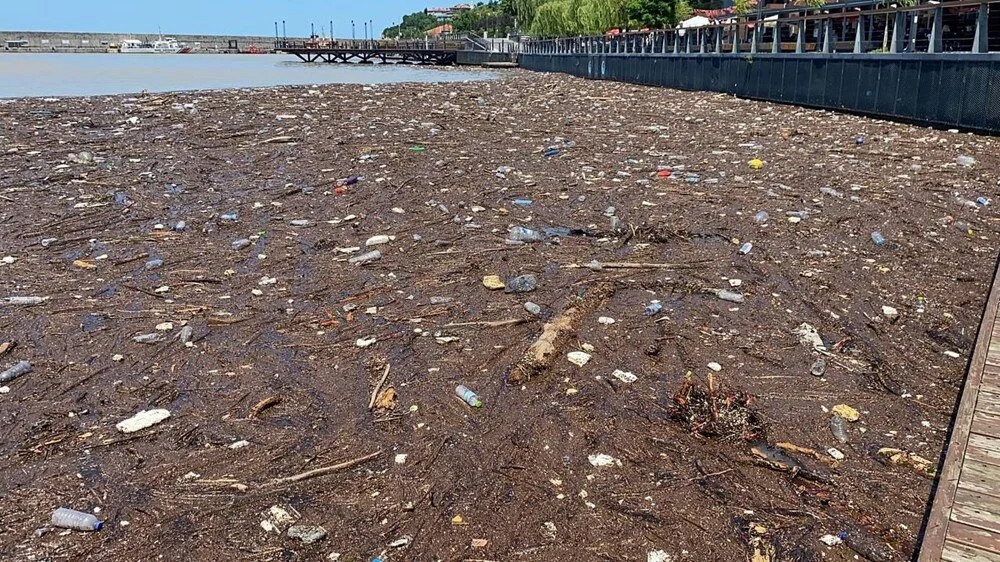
point(742, 7)
point(489, 17)
point(652, 13)
point(413, 26)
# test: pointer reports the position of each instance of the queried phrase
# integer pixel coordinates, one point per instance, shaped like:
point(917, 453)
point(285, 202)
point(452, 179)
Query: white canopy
point(696, 21)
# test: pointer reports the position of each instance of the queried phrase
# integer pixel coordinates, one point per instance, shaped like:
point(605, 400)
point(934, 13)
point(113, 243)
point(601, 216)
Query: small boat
point(163, 46)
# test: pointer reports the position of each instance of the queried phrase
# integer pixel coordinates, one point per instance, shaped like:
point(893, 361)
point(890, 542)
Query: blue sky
point(221, 17)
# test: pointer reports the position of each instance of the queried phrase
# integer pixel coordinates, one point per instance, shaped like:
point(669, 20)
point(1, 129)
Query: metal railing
point(428, 44)
point(932, 27)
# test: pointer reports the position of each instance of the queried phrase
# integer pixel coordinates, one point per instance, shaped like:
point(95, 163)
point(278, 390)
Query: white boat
point(163, 46)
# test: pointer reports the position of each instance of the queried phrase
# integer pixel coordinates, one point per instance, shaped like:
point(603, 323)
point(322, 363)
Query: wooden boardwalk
point(964, 523)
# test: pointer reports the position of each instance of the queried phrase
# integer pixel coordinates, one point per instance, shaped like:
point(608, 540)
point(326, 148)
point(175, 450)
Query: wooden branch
point(325, 469)
point(371, 403)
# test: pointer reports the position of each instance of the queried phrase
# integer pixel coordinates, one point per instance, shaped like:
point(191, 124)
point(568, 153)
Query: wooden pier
point(964, 522)
point(369, 52)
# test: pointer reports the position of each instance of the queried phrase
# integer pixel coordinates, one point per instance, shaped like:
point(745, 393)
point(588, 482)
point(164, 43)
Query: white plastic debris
point(601, 459)
point(365, 342)
point(606, 320)
point(837, 455)
point(715, 366)
point(624, 376)
point(658, 556)
point(23, 301)
point(142, 420)
point(376, 240)
point(809, 335)
point(830, 540)
point(401, 458)
point(889, 312)
point(578, 358)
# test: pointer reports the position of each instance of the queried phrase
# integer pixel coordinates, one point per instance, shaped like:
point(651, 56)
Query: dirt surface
point(693, 465)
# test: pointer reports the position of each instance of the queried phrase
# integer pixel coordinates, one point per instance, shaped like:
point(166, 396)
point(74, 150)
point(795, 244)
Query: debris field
point(689, 327)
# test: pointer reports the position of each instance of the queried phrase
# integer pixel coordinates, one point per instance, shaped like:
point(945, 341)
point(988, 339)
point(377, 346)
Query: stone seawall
point(45, 41)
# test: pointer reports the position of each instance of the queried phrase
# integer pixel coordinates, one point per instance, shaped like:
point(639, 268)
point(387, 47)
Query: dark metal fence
point(932, 27)
point(952, 90)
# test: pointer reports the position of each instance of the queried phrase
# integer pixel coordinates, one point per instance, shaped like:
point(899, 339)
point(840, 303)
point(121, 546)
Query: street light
point(352, 30)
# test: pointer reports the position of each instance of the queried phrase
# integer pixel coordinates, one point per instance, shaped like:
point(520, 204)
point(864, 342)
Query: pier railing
point(969, 26)
point(428, 44)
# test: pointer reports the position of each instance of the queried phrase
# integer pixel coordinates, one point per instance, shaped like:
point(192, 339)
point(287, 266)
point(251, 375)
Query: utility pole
point(312, 30)
point(331, 30)
point(352, 31)
point(284, 33)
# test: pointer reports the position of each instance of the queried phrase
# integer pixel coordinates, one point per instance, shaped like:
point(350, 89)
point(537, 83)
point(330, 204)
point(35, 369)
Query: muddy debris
point(298, 240)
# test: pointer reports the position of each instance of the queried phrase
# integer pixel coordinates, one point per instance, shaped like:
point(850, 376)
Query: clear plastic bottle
point(745, 248)
point(71, 519)
point(653, 308)
point(470, 397)
point(522, 234)
point(877, 238)
point(761, 217)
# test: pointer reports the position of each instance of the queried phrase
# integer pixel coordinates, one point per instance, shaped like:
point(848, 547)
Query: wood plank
point(984, 423)
point(979, 477)
point(976, 510)
point(988, 403)
point(935, 532)
point(971, 536)
point(984, 449)
point(957, 552)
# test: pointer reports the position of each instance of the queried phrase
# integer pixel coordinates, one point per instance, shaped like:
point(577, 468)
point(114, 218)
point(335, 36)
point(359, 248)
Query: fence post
point(859, 35)
point(736, 37)
point(981, 44)
point(718, 40)
point(898, 33)
point(776, 37)
point(800, 36)
point(828, 35)
point(934, 45)
point(702, 41)
point(754, 37)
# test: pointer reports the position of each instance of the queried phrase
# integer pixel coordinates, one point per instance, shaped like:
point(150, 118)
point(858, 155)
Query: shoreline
point(347, 360)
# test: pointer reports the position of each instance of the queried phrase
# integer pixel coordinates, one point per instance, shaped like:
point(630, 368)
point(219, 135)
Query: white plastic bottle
point(71, 519)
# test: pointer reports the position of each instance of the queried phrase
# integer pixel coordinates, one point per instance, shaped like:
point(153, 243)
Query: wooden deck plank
point(934, 545)
point(957, 552)
point(980, 477)
point(972, 536)
point(983, 449)
point(977, 510)
point(988, 403)
point(986, 424)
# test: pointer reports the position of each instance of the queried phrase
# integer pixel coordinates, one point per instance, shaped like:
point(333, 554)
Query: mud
point(281, 353)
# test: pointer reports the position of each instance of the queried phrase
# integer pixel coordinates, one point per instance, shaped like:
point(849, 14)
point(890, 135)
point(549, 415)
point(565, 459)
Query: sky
point(209, 17)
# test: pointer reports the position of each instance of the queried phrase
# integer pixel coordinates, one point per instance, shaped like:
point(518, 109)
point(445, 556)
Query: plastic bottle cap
point(98, 525)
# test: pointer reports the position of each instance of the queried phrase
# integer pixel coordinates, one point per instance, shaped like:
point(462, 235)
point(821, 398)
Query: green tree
point(412, 26)
point(652, 13)
point(742, 7)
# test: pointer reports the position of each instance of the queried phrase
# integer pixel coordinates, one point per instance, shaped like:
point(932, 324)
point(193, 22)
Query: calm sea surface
point(52, 74)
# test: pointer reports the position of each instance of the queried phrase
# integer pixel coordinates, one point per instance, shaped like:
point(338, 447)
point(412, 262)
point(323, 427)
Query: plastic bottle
point(19, 368)
point(522, 202)
point(745, 248)
point(983, 201)
point(70, 519)
point(877, 238)
point(551, 152)
point(652, 308)
point(468, 396)
point(730, 296)
point(838, 427)
point(761, 217)
point(522, 234)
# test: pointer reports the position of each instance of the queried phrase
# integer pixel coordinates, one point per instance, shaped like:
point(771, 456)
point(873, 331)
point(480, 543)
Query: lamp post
point(352, 31)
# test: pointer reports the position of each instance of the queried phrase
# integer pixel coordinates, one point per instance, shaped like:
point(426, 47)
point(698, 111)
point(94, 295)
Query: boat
point(162, 46)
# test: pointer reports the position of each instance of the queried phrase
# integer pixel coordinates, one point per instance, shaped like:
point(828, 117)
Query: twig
point(488, 324)
point(263, 405)
point(325, 469)
point(371, 403)
point(629, 265)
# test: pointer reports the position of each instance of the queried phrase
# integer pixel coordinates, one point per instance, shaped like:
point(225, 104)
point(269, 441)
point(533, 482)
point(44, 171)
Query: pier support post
point(859, 35)
point(702, 42)
point(827, 36)
point(736, 38)
point(934, 45)
point(800, 37)
point(776, 38)
point(718, 40)
point(898, 33)
point(981, 43)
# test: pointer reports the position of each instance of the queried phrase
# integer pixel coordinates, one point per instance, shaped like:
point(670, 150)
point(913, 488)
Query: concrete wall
point(45, 41)
point(950, 90)
point(479, 58)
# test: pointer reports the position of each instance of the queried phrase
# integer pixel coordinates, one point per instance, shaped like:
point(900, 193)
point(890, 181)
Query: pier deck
point(964, 524)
